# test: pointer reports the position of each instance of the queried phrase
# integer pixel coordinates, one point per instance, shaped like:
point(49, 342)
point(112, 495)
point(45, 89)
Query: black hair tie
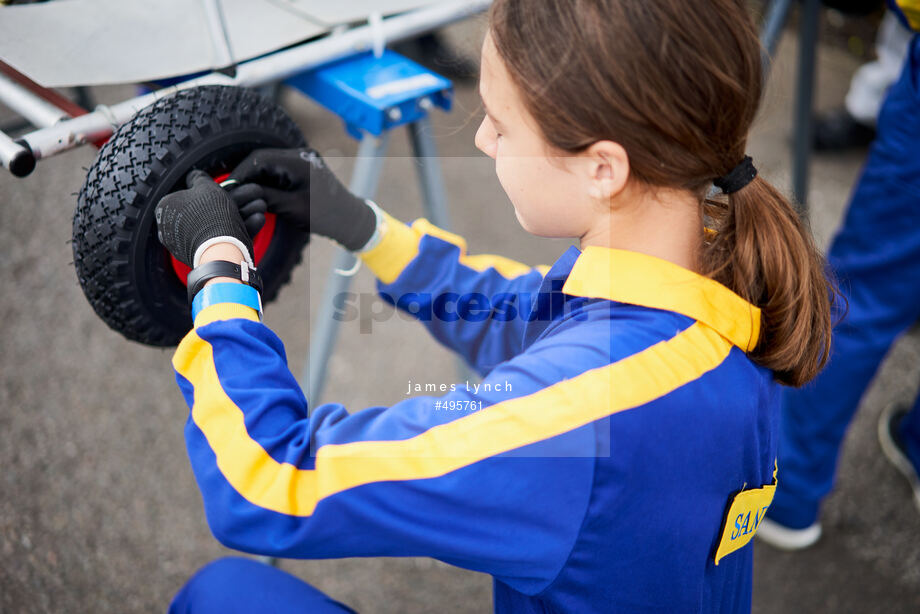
point(738, 178)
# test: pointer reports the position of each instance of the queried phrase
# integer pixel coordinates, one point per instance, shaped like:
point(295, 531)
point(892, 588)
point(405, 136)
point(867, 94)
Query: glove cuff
point(379, 228)
point(223, 239)
point(354, 224)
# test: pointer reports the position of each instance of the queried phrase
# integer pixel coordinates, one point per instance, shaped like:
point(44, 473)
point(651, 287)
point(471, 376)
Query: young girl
point(620, 453)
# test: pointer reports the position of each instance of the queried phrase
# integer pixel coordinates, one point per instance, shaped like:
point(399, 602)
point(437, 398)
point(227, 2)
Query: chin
point(524, 223)
point(546, 231)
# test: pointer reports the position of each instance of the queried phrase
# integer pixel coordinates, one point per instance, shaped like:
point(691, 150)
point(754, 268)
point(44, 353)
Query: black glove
point(186, 219)
point(300, 188)
point(250, 199)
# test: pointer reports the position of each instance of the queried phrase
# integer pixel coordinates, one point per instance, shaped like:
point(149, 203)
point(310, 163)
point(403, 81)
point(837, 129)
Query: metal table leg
point(805, 84)
point(772, 29)
point(434, 194)
point(364, 183)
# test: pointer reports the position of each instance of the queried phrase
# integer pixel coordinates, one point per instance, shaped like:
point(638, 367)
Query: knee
point(200, 592)
point(235, 584)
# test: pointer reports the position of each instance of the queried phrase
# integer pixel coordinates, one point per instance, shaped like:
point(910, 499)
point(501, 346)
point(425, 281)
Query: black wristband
point(220, 268)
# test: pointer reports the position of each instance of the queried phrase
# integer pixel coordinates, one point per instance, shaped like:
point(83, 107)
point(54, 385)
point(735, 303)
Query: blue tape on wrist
point(214, 294)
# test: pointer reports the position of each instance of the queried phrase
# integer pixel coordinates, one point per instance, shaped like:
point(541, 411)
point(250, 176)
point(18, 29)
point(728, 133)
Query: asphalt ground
point(99, 510)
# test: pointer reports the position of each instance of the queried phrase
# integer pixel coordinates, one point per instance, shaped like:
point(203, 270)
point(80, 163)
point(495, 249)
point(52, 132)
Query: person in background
point(876, 258)
point(854, 124)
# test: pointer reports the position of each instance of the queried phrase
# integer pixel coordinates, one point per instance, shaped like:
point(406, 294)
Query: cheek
point(526, 185)
point(542, 195)
point(511, 176)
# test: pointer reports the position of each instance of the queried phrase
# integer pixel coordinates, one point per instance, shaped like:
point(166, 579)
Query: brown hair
point(678, 84)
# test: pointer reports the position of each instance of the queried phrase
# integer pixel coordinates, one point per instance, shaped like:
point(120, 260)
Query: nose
point(487, 138)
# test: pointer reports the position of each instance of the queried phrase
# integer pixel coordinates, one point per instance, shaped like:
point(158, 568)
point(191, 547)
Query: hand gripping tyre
point(129, 278)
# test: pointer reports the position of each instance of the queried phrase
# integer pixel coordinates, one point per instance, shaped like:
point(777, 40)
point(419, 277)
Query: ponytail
point(679, 91)
point(763, 252)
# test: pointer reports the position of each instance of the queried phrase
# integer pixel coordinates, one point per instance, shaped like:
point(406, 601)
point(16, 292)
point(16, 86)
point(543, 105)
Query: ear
point(608, 169)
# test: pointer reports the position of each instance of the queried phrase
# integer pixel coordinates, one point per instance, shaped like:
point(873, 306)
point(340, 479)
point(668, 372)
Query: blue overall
point(236, 585)
point(619, 453)
point(876, 259)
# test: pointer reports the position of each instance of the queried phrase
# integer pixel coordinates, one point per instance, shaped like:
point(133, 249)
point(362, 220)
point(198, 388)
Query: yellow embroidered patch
point(744, 515)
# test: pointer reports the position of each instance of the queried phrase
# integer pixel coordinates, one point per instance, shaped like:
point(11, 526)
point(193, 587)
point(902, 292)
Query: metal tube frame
point(102, 122)
point(37, 110)
point(16, 157)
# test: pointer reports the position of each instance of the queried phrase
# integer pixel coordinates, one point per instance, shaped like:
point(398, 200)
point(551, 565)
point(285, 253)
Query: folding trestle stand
point(373, 94)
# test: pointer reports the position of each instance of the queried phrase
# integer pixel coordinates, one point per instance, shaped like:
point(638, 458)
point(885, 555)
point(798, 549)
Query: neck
point(666, 224)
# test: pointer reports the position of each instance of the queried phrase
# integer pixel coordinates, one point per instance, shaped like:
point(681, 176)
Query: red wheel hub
point(260, 242)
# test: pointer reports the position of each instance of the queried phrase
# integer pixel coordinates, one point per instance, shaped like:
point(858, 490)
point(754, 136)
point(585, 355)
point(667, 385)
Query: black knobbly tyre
point(128, 277)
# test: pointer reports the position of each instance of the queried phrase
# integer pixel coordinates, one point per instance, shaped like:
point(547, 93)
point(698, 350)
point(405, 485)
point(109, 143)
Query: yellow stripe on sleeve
point(505, 266)
point(511, 424)
point(400, 245)
point(397, 248)
point(225, 311)
point(423, 226)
